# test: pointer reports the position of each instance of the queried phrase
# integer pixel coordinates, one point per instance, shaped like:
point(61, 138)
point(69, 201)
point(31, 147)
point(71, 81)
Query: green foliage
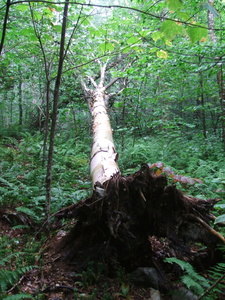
point(192, 159)
point(14, 265)
point(23, 177)
point(10, 277)
point(216, 275)
point(125, 288)
point(92, 274)
point(191, 279)
point(197, 33)
point(220, 219)
point(29, 212)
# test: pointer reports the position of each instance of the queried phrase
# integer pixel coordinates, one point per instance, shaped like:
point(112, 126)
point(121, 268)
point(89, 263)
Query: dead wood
point(140, 221)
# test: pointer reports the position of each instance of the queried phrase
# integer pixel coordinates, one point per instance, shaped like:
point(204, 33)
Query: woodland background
point(167, 105)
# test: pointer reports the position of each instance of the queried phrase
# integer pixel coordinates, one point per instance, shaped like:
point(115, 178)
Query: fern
point(192, 284)
point(5, 260)
point(10, 277)
point(191, 279)
point(28, 212)
point(13, 265)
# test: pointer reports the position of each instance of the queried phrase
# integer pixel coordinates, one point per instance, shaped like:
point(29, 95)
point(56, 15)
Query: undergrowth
point(22, 187)
point(14, 265)
point(207, 288)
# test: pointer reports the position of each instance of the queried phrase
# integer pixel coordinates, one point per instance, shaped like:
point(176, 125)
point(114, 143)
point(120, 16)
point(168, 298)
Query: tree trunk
point(220, 79)
point(20, 103)
point(46, 122)
point(211, 23)
point(55, 113)
point(103, 164)
point(202, 101)
point(8, 3)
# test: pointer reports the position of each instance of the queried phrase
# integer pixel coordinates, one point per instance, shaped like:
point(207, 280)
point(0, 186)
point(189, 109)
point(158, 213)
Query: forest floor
point(49, 276)
point(56, 280)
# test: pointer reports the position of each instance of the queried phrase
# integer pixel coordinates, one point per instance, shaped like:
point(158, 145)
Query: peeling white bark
point(211, 24)
point(103, 165)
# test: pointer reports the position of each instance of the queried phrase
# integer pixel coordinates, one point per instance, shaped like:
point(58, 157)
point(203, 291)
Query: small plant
point(122, 276)
point(220, 218)
point(125, 288)
point(191, 279)
point(107, 295)
point(91, 275)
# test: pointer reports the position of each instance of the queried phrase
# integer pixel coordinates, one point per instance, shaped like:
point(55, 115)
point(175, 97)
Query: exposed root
point(210, 229)
point(140, 221)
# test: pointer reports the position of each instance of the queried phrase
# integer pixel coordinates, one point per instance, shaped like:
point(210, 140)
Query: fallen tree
point(138, 220)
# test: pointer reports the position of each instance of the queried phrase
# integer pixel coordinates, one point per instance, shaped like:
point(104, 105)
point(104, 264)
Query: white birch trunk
point(103, 165)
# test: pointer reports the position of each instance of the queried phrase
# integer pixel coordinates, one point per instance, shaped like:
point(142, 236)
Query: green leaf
point(86, 22)
point(22, 7)
point(157, 35)
point(26, 211)
point(174, 5)
point(219, 206)
point(162, 54)
point(144, 33)
point(47, 12)
point(168, 43)
point(191, 283)
point(184, 16)
point(171, 29)
point(133, 40)
point(125, 289)
point(109, 46)
point(57, 28)
point(220, 219)
point(106, 46)
point(118, 104)
point(197, 33)
point(183, 264)
point(47, 37)
point(92, 30)
point(38, 15)
point(126, 50)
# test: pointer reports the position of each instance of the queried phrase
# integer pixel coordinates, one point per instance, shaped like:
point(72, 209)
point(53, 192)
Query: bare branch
point(92, 81)
point(87, 93)
point(102, 75)
point(111, 83)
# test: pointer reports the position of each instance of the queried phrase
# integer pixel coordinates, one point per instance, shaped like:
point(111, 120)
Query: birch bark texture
point(103, 162)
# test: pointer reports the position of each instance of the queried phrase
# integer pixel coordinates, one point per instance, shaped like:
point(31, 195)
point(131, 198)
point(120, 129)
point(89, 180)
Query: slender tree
point(8, 3)
point(20, 102)
point(55, 111)
point(220, 75)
